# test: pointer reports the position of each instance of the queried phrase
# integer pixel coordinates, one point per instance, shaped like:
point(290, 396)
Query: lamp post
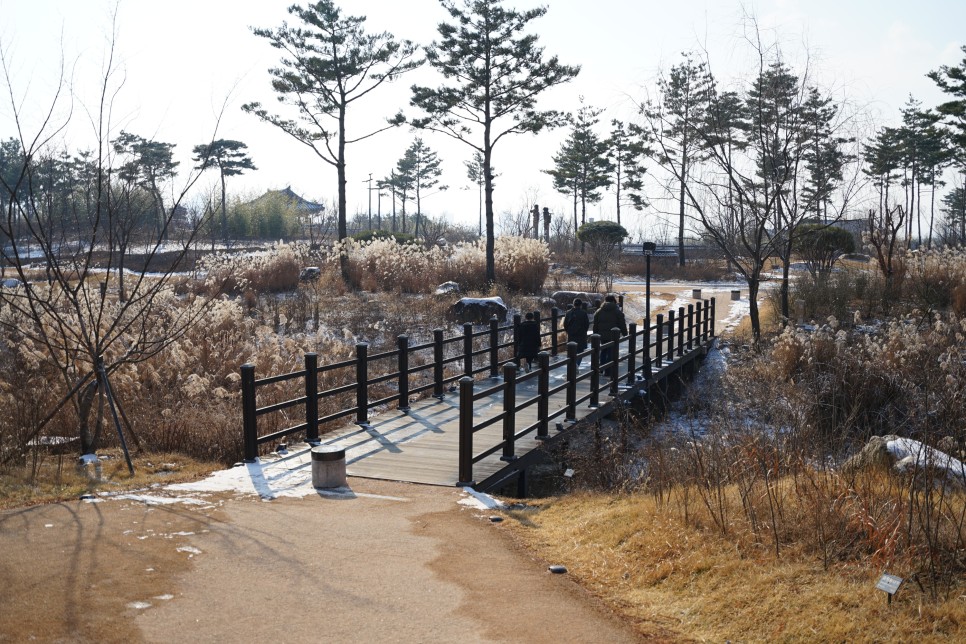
point(648, 249)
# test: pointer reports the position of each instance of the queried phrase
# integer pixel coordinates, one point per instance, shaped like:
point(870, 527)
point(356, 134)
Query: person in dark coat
point(577, 325)
point(608, 317)
point(528, 340)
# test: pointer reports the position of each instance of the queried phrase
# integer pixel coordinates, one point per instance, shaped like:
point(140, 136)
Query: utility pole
point(369, 181)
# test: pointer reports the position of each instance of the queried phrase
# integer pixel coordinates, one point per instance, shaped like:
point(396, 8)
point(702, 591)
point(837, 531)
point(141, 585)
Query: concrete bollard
point(696, 294)
point(735, 295)
point(328, 466)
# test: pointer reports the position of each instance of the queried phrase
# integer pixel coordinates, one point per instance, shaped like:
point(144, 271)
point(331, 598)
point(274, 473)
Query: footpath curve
point(380, 562)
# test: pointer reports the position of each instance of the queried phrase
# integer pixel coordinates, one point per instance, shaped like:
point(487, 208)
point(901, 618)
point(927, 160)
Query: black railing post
point(362, 383)
point(615, 360)
point(705, 320)
point(572, 381)
point(670, 336)
point(712, 317)
point(509, 411)
point(648, 372)
point(594, 371)
point(554, 327)
point(438, 363)
point(402, 345)
point(468, 349)
point(659, 341)
point(466, 432)
point(620, 302)
point(249, 422)
point(690, 326)
point(543, 401)
point(494, 347)
point(699, 321)
point(680, 331)
point(517, 320)
point(631, 353)
point(311, 398)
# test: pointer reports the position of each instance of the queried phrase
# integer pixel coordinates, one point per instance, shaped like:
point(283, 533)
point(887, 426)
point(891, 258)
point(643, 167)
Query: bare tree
point(72, 322)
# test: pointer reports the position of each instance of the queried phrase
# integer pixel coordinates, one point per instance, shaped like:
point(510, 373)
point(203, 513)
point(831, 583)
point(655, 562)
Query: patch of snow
point(191, 550)
point(149, 499)
point(139, 605)
point(88, 459)
point(483, 300)
point(739, 310)
point(911, 453)
point(480, 501)
point(164, 597)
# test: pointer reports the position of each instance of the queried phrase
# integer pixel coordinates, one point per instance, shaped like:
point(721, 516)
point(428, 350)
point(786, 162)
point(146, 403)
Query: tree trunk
point(224, 211)
point(488, 201)
point(684, 176)
point(753, 310)
point(340, 170)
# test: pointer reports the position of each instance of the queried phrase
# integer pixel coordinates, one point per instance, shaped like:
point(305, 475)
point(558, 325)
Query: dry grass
point(647, 565)
point(51, 477)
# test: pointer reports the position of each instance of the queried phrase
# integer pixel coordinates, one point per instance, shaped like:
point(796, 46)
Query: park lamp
point(648, 249)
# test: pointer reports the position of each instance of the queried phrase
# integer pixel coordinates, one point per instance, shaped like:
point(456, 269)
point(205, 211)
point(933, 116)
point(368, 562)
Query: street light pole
point(648, 249)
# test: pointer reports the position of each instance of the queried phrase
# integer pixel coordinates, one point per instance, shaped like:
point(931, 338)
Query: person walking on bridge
point(528, 343)
point(577, 324)
point(608, 318)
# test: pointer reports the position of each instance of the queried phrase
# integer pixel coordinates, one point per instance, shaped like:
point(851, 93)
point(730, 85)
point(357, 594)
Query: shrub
point(521, 263)
point(271, 271)
point(369, 235)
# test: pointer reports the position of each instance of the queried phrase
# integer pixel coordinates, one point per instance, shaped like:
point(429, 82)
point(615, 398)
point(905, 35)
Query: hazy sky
point(184, 62)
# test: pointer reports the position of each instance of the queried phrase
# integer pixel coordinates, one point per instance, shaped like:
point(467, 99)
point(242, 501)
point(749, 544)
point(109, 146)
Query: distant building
point(302, 205)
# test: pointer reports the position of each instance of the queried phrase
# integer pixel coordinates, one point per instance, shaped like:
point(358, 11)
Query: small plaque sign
point(889, 583)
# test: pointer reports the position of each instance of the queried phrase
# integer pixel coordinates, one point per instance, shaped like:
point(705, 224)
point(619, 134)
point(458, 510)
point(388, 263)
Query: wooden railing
point(690, 329)
point(499, 345)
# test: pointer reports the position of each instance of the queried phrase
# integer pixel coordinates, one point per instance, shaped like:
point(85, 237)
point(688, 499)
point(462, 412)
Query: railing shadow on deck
point(691, 326)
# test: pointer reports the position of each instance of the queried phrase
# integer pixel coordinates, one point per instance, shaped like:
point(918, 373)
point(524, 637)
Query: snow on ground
point(911, 454)
point(271, 478)
point(738, 311)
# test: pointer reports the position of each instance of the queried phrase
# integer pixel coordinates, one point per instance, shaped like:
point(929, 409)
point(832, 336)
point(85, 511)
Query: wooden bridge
point(483, 420)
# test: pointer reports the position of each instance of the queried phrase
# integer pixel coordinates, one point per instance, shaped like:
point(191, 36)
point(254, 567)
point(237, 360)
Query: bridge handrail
point(437, 364)
point(497, 339)
point(691, 326)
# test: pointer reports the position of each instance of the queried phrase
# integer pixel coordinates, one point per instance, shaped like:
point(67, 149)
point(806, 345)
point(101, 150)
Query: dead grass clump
point(934, 276)
point(57, 477)
point(275, 270)
point(521, 263)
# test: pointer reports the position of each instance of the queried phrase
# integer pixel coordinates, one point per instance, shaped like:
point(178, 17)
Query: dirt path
point(390, 562)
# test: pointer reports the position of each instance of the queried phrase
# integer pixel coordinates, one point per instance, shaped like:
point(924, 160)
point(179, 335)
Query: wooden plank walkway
point(422, 445)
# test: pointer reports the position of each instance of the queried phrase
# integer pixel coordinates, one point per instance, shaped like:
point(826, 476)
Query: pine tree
point(493, 73)
point(231, 159)
point(419, 170)
point(627, 148)
point(329, 63)
point(675, 122)
point(582, 167)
